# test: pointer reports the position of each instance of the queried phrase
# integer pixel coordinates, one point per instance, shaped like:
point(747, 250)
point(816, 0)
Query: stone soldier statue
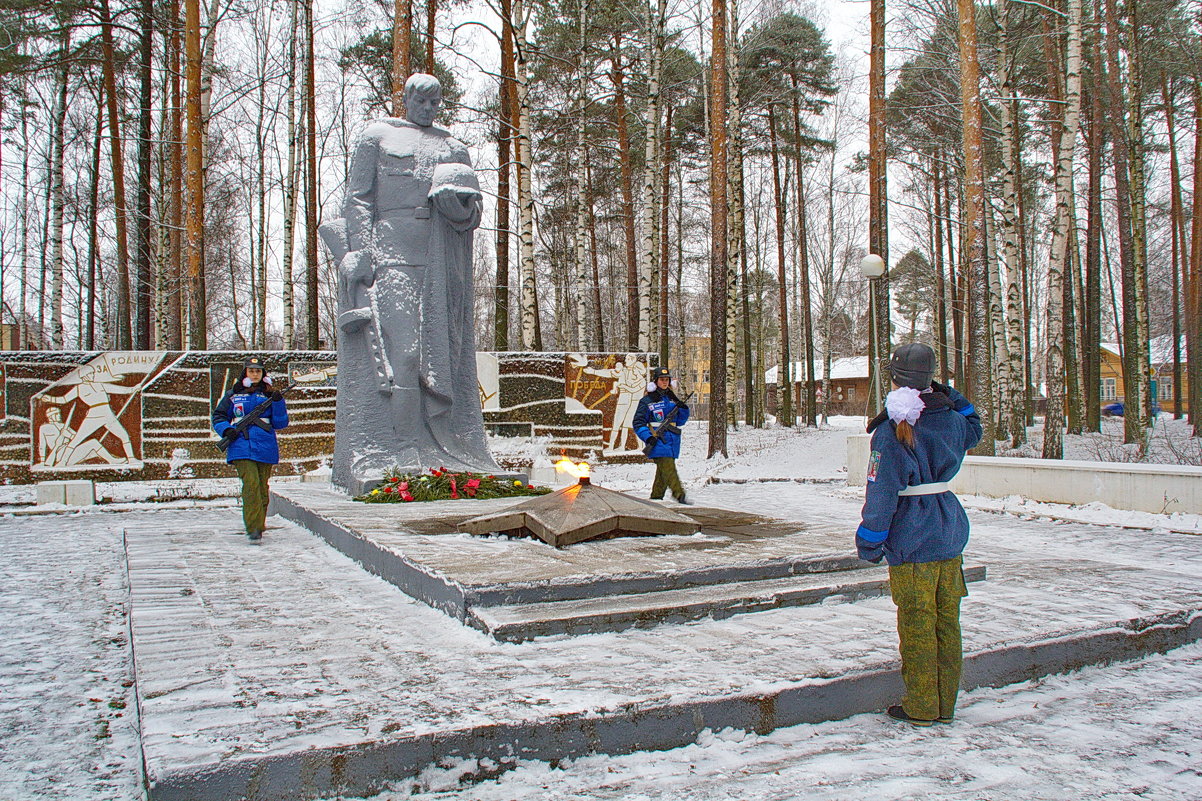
point(408, 395)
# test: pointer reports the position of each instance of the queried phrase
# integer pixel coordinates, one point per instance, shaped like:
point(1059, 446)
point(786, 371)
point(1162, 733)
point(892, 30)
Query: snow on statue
point(408, 393)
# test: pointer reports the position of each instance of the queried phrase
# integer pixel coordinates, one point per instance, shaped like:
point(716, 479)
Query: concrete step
point(521, 622)
point(638, 582)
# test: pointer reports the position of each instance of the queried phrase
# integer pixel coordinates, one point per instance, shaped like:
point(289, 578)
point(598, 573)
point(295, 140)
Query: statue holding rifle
point(408, 393)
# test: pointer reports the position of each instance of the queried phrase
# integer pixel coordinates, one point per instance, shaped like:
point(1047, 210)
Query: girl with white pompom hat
point(914, 521)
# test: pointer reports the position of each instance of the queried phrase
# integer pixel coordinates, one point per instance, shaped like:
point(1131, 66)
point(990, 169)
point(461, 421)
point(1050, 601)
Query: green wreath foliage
point(446, 485)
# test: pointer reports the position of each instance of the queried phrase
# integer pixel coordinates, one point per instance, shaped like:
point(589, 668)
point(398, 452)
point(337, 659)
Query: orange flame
point(572, 469)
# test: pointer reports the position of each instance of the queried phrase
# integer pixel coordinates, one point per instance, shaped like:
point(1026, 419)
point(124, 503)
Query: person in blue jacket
point(912, 520)
point(650, 418)
point(256, 451)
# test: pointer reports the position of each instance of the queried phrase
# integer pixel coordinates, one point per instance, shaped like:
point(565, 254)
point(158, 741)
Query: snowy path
point(1131, 730)
point(67, 719)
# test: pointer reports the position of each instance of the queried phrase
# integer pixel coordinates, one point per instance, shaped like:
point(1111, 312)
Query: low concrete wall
point(1155, 488)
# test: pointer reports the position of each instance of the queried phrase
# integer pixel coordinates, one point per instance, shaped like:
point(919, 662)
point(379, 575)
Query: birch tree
point(981, 378)
point(1053, 436)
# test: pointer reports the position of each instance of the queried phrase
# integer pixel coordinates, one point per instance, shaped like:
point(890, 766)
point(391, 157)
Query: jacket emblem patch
point(874, 463)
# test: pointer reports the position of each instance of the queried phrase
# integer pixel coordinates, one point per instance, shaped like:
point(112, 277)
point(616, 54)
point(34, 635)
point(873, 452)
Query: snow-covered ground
point(68, 726)
point(1130, 730)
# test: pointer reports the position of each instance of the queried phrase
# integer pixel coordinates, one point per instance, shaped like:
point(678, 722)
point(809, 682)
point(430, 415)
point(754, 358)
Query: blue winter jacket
point(261, 445)
point(654, 407)
point(918, 528)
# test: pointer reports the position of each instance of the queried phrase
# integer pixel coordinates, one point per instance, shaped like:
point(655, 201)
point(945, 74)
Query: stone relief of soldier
point(629, 382)
point(62, 444)
point(408, 394)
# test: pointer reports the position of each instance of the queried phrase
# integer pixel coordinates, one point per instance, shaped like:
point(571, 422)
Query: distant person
point(913, 521)
point(255, 452)
point(651, 419)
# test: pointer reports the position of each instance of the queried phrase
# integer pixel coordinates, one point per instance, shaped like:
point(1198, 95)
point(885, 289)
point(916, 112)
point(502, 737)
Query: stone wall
point(145, 415)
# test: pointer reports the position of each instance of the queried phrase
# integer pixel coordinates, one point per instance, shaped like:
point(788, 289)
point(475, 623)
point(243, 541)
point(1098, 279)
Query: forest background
point(655, 171)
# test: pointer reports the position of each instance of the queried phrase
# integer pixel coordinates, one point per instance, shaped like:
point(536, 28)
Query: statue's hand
point(356, 267)
point(453, 203)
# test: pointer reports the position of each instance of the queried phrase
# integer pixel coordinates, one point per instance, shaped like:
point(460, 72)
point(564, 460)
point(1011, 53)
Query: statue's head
point(423, 98)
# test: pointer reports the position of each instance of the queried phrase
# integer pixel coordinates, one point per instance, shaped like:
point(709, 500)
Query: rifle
point(241, 428)
point(664, 426)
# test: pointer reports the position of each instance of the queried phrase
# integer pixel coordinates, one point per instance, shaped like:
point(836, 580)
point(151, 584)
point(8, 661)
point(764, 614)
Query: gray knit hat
point(913, 365)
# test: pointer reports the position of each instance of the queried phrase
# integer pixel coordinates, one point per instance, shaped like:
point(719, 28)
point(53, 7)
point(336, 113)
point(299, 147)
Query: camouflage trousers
point(666, 477)
point(927, 595)
point(254, 477)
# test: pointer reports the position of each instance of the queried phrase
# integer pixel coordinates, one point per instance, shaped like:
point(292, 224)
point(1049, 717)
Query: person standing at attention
point(651, 419)
point(914, 521)
point(256, 451)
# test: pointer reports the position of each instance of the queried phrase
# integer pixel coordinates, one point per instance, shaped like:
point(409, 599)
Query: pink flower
point(454, 491)
point(404, 485)
point(405, 496)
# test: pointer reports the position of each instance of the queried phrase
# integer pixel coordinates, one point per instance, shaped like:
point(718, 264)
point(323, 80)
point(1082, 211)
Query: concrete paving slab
point(294, 674)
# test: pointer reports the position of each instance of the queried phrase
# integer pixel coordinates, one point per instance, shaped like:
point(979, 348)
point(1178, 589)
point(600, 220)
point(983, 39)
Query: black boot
point(897, 713)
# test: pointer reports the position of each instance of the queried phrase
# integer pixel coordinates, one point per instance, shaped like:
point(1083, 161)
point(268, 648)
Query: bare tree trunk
point(1193, 317)
point(144, 281)
point(649, 263)
point(598, 325)
point(176, 307)
point(259, 250)
point(974, 236)
point(1091, 351)
point(1139, 221)
point(1180, 265)
point(665, 162)
point(89, 314)
point(505, 133)
point(718, 184)
point(878, 212)
point(1010, 372)
point(56, 198)
point(529, 295)
point(954, 270)
point(803, 265)
point(1053, 441)
point(1134, 379)
point(23, 221)
point(312, 201)
point(618, 76)
point(940, 280)
point(194, 218)
point(124, 329)
point(402, 27)
point(431, 13)
point(581, 232)
point(735, 232)
point(290, 181)
point(784, 374)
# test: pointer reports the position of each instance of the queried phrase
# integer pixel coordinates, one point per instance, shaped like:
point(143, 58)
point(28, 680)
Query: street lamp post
point(873, 267)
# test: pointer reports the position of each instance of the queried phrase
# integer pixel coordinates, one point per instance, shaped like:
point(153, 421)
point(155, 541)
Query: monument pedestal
point(519, 588)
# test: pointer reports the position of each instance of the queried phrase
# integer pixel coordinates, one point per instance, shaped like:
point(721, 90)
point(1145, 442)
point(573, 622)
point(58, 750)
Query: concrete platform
point(518, 588)
point(284, 671)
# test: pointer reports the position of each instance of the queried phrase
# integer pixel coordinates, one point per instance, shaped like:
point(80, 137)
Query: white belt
point(927, 489)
